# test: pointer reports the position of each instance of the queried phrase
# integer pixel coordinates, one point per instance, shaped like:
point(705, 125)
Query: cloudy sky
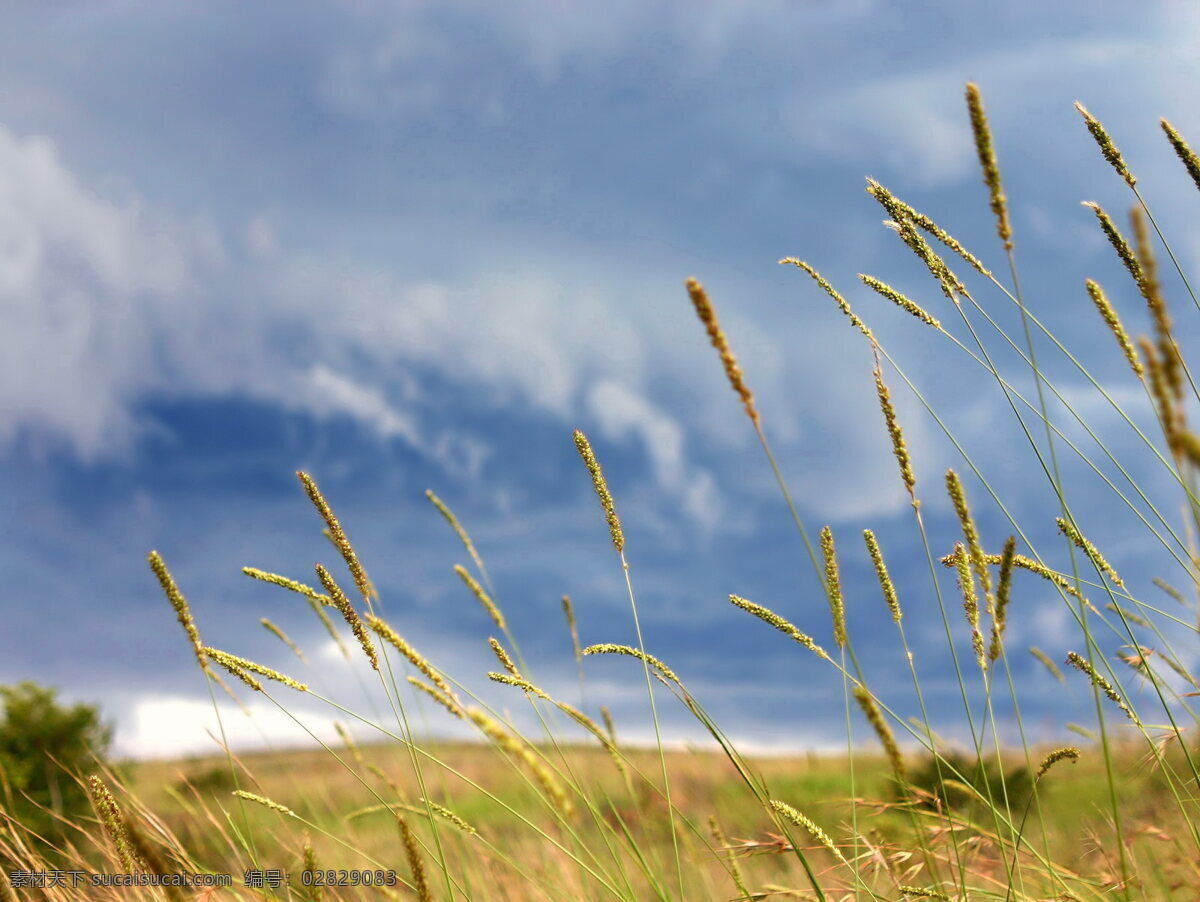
point(414, 245)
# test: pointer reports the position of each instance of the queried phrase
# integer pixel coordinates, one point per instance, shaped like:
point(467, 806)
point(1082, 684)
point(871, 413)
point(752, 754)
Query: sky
point(410, 246)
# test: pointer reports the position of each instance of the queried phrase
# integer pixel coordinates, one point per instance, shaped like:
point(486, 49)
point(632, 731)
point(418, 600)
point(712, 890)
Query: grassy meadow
point(571, 811)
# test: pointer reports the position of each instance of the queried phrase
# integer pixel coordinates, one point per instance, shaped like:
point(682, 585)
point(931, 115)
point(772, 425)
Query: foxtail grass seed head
point(230, 665)
point(1107, 147)
point(1098, 680)
point(899, 446)
point(609, 724)
point(1071, 532)
point(416, 864)
point(438, 696)
point(265, 802)
point(183, 611)
point(883, 730)
point(1164, 398)
point(770, 617)
point(1109, 314)
point(609, 648)
point(958, 496)
point(1156, 302)
point(881, 572)
point(788, 813)
point(338, 536)
point(1169, 590)
point(109, 813)
point(1070, 753)
point(342, 603)
point(1022, 562)
point(966, 584)
point(833, 586)
point(1120, 245)
point(721, 842)
point(463, 535)
point(922, 892)
point(899, 300)
point(1186, 155)
point(949, 282)
point(283, 637)
point(520, 750)
point(708, 316)
point(601, 486)
point(1127, 614)
point(572, 626)
point(1003, 592)
point(348, 742)
point(502, 656)
point(233, 663)
point(418, 660)
point(287, 583)
point(520, 682)
point(444, 812)
point(833, 293)
point(986, 151)
point(484, 599)
point(898, 210)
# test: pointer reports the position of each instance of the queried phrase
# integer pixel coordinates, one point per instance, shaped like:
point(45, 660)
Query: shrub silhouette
point(45, 747)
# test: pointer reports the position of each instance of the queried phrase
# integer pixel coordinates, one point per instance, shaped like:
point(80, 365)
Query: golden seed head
point(1047, 662)
point(938, 268)
point(519, 749)
point(766, 615)
point(1109, 314)
point(609, 648)
point(833, 293)
point(113, 822)
point(240, 667)
point(509, 680)
point(833, 586)
point(1003, 592)
point(922, 892)
point(1065, 754)
point(987, 162)
point(572, 626)
point(708, 316)
point(882, 729)
point(1107, 147)
point(443, 811)
point(601, 486)
point(183, 611)
point(287, 583)
point(966, 584)
point(502, 656)
point(337, 535)
point(265, 802)
point(899, 446)
point(419, 661)
point(342, 603)
point(1101, 683)
point(416, 864)
point(438, 696)
point(881, 572)
point(800, 820)
point(1071, 532)
point(283, 637)
point(1169, 589)
point(1186, 155)
point(1119, 244)
point(459, 531)
point(484, 599)
point(958, 496)
point(899, 300)
point(898, 210)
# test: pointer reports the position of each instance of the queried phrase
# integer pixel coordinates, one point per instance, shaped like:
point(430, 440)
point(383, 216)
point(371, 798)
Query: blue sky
point(409, 246)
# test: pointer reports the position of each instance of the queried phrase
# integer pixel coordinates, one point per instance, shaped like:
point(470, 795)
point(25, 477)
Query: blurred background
point(410, 246)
